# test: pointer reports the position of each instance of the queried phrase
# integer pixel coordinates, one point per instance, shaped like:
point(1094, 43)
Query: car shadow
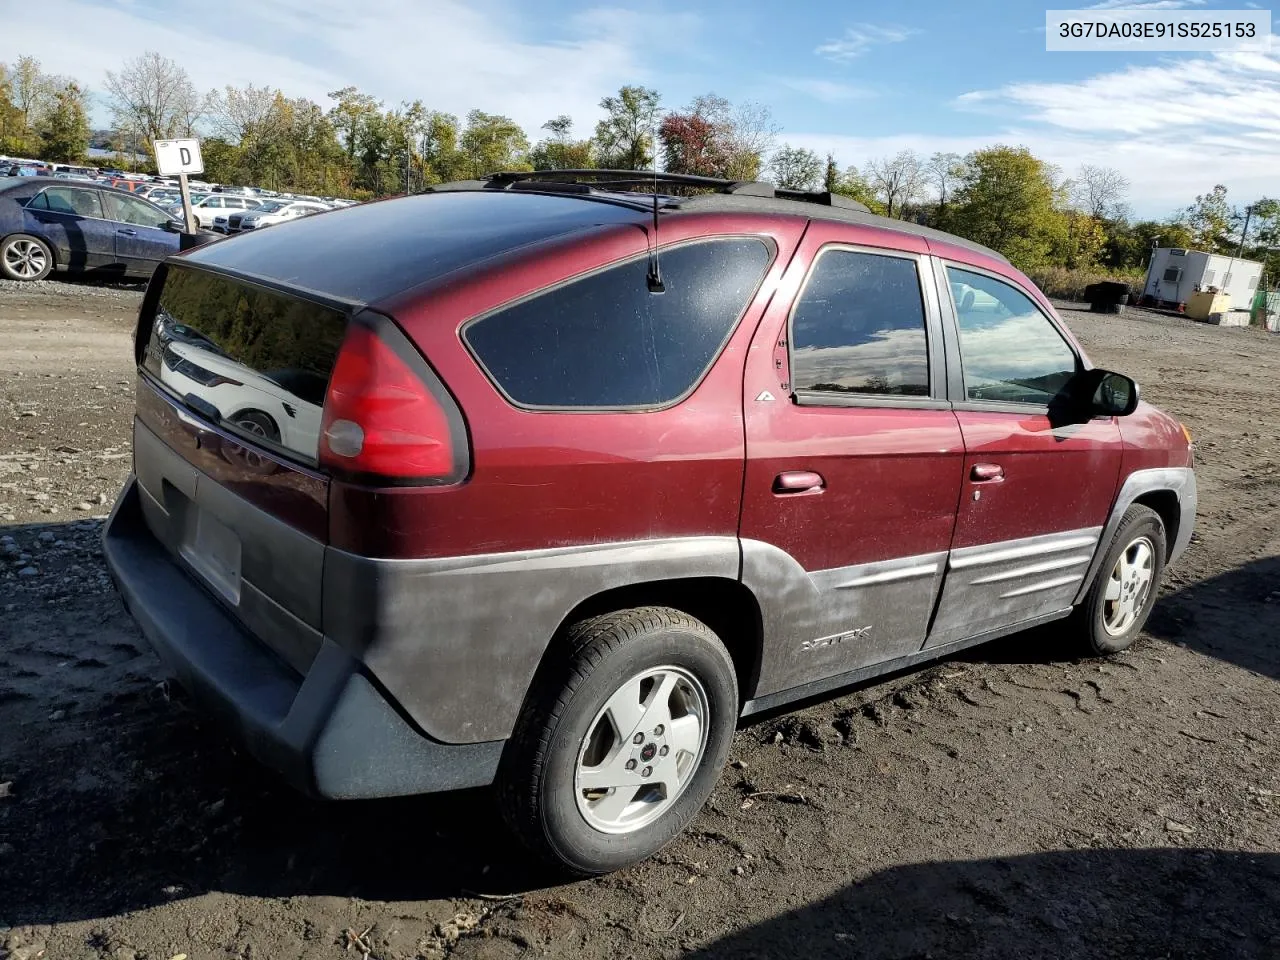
point(1115, 903)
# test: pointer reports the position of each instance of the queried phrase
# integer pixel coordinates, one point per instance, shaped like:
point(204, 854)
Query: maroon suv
point(542, 481)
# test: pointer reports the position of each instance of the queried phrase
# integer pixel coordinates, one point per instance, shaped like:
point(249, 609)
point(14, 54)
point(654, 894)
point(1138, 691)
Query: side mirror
point(1102, 393)
point(175, 226)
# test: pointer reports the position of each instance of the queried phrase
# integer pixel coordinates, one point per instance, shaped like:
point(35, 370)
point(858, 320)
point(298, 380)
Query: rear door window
point(254, 360)
point(858, 328)
point(604, 341)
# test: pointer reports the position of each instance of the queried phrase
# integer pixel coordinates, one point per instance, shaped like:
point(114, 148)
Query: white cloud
point(828, 91)
point(453, 54)
point(1239, 92)
point(860, 38)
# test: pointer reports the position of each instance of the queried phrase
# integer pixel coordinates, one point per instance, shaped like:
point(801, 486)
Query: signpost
point(181, 157)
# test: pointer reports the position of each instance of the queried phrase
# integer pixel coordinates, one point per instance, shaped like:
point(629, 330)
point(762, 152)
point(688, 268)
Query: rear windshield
point(251, 359)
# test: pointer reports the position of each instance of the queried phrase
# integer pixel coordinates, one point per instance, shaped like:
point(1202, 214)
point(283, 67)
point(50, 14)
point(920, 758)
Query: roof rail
point(824, 197)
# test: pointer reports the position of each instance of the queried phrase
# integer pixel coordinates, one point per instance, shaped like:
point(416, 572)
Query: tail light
point(387, 417)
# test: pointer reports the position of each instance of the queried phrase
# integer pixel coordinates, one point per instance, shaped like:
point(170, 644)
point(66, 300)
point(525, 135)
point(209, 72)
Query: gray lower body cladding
point(331, 732)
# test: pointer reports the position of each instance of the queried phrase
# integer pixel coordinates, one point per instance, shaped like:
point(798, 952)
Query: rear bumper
point(330, 732)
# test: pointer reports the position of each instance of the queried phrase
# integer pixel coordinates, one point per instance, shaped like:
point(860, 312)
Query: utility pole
point(1248, 212)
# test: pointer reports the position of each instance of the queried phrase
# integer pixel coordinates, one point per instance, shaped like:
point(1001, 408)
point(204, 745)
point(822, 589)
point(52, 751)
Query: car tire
point(1124, 589)
point(658, 667)
point(24, 257)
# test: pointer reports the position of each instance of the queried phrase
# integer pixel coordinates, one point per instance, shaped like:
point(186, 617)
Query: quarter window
point(859, 327)
point(80, 203)
point(606, 341)
point(1009, 349)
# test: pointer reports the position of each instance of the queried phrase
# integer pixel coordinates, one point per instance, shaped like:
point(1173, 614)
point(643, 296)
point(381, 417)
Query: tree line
point(355, 145)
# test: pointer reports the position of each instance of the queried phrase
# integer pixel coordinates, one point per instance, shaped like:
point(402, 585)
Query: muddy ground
point(1016, 801)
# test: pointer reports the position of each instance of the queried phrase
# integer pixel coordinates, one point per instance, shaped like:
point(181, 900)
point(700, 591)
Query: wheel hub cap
point(641, 750)
point(1128, 587)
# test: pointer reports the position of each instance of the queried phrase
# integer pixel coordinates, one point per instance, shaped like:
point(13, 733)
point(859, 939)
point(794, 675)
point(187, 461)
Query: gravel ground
point(1016, 801)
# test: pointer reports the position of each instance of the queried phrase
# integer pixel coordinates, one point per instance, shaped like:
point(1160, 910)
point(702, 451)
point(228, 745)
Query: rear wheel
point(24, 257)
point(622, 740)
point(1118, 603)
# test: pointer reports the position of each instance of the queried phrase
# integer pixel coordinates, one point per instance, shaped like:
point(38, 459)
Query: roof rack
point(587, 181)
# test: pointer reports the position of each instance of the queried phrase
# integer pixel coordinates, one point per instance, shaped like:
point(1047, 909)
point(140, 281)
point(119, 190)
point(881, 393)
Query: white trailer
point(1176, 273)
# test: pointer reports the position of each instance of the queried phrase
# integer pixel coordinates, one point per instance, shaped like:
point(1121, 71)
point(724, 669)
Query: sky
point(857, 79)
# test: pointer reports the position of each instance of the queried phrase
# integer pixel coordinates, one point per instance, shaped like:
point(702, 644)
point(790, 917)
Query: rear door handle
point(128, 233)
point(986, 473)
point(796, 482)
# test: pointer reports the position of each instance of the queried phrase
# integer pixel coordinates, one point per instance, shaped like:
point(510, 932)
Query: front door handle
point(986, 473)
point(128, 233)
point(796, 482)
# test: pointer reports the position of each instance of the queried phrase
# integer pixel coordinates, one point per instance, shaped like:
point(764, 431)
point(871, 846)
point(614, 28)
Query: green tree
point(560, 151)
point(795, 168)
point(1209, 221)
point(852, 184)
point(352, 110)
point(1008, 200)
point(64, 130)
point(624, 138)
point(490, 143)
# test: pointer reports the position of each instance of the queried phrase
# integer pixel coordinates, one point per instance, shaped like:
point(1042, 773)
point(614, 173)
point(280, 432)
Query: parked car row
point(60, 217)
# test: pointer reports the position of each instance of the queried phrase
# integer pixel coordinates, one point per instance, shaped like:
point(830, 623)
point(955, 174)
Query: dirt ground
point(1015, 801)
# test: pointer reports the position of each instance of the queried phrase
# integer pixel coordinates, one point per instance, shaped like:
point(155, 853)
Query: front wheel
point(1118, 603)
point(24, 257)
point(622, 739)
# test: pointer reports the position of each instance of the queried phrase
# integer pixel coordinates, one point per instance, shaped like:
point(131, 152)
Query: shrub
point(1063, 283)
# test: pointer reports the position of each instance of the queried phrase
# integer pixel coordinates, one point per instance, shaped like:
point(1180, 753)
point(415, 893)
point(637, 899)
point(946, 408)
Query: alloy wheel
point(1128, 586)
point(641, 750)
point(26, 258)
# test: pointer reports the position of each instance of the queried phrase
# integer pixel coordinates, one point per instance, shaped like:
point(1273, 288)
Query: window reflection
point(1009, 349)
point(859, 327)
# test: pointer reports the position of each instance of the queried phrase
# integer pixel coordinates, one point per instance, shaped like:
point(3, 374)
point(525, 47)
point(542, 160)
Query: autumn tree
point(795, 168)
point(692, 143)
point(897, 180)
point(1007, 200)
point(154, 96)
point(624, 138)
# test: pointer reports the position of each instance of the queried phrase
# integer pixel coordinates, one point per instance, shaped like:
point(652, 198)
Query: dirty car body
point(832, 493)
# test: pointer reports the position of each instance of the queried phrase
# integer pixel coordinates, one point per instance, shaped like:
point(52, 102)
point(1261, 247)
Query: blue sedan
point(48, 224)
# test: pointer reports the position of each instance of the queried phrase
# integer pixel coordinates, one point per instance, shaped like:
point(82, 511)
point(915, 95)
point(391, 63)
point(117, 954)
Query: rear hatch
point(232, 381)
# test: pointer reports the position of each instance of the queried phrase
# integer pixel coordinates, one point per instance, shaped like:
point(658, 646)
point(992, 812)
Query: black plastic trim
point(825, 686)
